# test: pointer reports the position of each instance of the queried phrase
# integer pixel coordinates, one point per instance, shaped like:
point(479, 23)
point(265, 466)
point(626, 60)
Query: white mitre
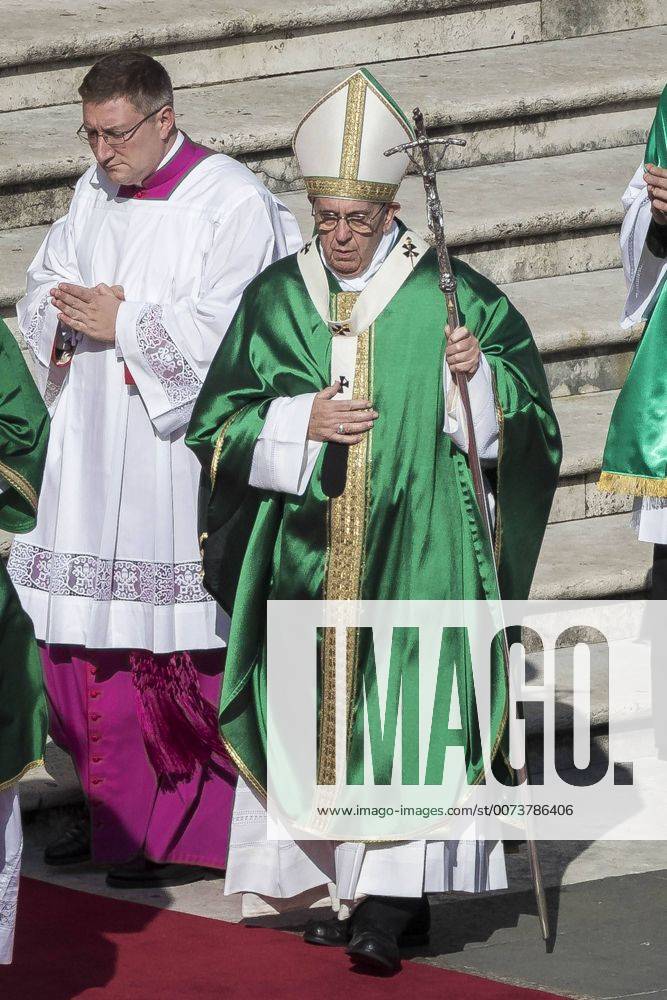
point(340, 143)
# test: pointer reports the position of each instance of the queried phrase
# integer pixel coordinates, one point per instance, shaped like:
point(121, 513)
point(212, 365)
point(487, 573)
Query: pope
point(332, 432)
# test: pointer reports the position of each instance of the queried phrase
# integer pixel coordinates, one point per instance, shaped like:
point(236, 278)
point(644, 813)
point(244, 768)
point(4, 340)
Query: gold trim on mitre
point(341, 187)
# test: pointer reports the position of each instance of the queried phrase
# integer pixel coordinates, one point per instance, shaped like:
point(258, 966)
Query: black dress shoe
point(376, 948)
point(335, 933)
point(72, 847)
point(144, 874)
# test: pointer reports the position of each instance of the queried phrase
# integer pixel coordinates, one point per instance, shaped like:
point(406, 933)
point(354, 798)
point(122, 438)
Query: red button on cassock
point(95, 738)
point(97, 781)
point(94, 694)
point(96, 759)
point(95, 716)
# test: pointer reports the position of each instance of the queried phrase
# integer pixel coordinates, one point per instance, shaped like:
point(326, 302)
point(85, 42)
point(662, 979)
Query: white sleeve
point(644, 273)
point(55, 261)
point(483, 405)
point(168, 346)
point(284, 458)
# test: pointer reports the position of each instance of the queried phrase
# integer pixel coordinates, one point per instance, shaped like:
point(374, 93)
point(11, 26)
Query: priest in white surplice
point(359, 311)
point(128, 299)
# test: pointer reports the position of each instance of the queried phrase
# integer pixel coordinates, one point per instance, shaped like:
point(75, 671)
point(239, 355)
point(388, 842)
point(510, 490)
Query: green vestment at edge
point(635, 455)
point(406, 525)
point(24, 432)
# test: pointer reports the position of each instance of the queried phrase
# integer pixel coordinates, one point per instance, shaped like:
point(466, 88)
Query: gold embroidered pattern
point(243, 768)
point(335, 187)
point(354, 125)
point(501, 442)
point(346, 530)
point(219, 441)
point(20, 484)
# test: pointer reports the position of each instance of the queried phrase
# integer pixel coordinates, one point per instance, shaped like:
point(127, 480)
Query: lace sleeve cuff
point(165, 378)
point(39, 328)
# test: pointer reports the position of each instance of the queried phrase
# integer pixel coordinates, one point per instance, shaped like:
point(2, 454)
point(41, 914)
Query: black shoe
point(332, 933)
point(336, 933)
point(72, 847)
point(376, 949)
point(144, 874)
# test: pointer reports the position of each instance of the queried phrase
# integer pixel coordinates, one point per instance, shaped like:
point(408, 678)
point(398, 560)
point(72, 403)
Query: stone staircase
point(554, 101)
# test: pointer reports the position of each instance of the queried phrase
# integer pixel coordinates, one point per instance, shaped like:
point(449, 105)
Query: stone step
point(46, 50)
point(505, 219)
point(52, 785)
point(575, 322)
point(584, 422)
point(510, 104)
point(570, 18)
point(593, 559)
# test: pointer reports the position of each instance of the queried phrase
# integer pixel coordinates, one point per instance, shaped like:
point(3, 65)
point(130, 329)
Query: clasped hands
point(345, 421)
point(656, 182)
point(92, 311)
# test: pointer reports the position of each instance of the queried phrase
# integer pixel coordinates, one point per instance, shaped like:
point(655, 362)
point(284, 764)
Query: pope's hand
point(656, 182)
point(92, 311)
point(342, 420)
point(462, 351)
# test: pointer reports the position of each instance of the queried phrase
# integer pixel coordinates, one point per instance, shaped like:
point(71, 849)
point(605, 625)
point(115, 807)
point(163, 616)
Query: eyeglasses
point(359, 222)
point(111, 137)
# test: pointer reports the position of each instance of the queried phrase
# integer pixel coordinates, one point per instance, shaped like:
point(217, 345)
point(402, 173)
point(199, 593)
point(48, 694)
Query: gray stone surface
point(255, 40)
point(575, 322)
point(584, 421)
point(595, 558)
point(594, 370)
point(566, 18)
point(82, 28)
point(535, 92)
point(17, 248)
point(569, 501)
point(574, 312)
point(52, 785)
point(608, 945)
point(569, 252)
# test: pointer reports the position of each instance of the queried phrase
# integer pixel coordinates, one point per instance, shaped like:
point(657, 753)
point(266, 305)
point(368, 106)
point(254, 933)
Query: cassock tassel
point(179, 726)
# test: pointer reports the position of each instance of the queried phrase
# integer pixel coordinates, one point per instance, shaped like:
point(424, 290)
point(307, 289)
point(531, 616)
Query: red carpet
point(72, 944)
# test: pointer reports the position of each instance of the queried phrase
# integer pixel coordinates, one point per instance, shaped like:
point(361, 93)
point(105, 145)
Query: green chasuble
point(635, 456)
point(24, 432)
point(406, 525)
